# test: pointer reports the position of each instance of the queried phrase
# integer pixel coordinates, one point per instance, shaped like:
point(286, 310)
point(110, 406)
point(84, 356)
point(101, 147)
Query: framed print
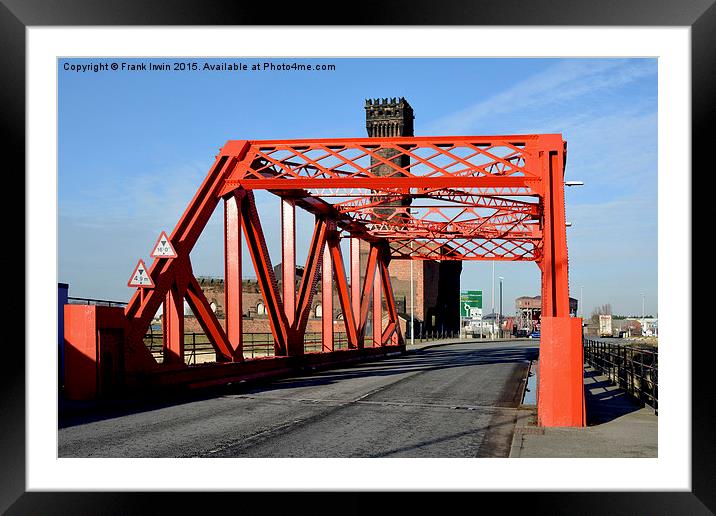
point(60, 60)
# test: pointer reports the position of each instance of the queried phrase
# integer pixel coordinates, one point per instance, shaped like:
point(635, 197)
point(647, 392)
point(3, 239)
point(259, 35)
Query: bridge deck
point(459, 400)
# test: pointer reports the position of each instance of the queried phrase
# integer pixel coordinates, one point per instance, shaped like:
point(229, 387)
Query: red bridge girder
point(475, 198)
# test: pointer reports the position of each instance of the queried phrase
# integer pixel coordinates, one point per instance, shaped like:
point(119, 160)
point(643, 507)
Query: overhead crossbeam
point(487, 177)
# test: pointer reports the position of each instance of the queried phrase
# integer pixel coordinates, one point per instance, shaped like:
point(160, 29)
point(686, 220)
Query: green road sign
point(470, 302)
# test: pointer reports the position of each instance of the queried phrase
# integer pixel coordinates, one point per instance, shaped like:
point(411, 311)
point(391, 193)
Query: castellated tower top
point(388, 117)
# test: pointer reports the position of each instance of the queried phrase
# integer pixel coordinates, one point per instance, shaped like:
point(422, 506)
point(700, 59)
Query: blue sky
point(135, 146)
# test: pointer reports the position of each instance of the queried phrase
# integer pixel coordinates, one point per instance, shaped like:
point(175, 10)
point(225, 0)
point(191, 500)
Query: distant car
point(521, 334)
point(534, 335)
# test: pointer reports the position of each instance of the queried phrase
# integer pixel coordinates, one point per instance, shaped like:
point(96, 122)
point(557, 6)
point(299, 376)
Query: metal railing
point(633, 368)
point(429, 335)
point(197, 345)
point(90, 301)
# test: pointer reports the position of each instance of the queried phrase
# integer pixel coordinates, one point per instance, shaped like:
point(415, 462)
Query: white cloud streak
point(566, 80)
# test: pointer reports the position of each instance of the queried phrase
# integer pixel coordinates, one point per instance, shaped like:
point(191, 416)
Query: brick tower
point(388, 118)
point(436, 284)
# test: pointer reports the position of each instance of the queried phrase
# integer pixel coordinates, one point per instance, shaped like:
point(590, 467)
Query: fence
point(428, 335)
point(197, 345)
point(633, 368)
point(254, 344)
point(90, 301)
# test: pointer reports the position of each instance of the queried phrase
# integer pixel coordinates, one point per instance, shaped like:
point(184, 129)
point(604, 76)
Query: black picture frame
point(17, 15)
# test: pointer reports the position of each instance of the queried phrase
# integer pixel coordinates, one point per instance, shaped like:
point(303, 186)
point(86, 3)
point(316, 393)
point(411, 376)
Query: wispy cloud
point(158, 194)
point(559, 83)
point(617, 148)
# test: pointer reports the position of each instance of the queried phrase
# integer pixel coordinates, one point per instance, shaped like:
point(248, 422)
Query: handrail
point(255, 344)
point(90, 301)
point(261, 344)
point(633, 368)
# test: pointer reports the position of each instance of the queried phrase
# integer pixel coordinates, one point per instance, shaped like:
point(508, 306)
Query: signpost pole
point(459, 315)
point(470, 307)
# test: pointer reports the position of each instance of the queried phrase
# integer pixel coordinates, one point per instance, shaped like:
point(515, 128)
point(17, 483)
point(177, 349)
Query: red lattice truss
point(455, 198)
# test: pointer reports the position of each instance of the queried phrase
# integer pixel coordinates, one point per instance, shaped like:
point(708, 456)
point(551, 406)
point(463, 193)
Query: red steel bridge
point(409, 198)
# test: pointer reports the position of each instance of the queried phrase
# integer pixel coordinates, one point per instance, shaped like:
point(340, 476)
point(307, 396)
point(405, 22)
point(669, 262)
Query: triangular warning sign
point(163, 248)
point(140, 277)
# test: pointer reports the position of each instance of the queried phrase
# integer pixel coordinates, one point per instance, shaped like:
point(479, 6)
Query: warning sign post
point(140, 277)
point(163, 248)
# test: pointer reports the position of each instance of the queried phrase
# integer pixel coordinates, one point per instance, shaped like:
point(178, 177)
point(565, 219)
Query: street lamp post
point(499, 317)
point(492, 293)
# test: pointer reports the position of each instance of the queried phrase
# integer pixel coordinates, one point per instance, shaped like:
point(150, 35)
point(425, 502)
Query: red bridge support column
point(560, 398)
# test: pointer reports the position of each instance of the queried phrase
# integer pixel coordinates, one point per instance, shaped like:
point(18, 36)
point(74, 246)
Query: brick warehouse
point(436, 284)
point(255, 319)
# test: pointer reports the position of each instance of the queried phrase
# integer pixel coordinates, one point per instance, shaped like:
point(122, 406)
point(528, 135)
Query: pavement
point(617, 427)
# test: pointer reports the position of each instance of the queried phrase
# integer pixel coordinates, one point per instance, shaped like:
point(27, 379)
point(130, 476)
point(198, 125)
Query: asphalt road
point(450, 401)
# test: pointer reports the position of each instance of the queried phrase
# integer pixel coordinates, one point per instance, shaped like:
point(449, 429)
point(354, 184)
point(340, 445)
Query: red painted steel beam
point(344, 296)
point(183, 239)
point(560, 295)
point(265, 276)
point(366, 292)
point(173, 327)
point(310, 278)
point(288, 253)
point(461, 258)
point(206, 318)
point(389, 297)
point(355, 276)
point(202, 206)
point(232, 273)
point(359, 204)
point(378, 303)
point(379, 183)
point(327, 298)
point(390, 303)
point(163, 271)
point(387, 333)
point(234, 146)
point(464, 249)
point(560, 400)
